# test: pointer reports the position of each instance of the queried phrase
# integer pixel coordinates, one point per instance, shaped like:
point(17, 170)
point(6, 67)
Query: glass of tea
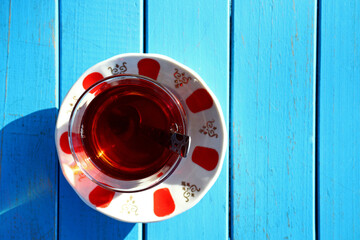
point(127, 133)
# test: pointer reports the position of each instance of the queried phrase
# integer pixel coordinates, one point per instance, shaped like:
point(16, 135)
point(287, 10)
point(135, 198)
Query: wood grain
point(195, 33)
point(28, 87)
point(273, 109)
point(339, 117)
point(92, 31)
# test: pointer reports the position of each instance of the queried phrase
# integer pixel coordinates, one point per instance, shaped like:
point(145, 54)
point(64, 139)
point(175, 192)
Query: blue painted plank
point(272, 119)
point(195, 33)
point(92, 31)
point(339, 117)
point(28, 163)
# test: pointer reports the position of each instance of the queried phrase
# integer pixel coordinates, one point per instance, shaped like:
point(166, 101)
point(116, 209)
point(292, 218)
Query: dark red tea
point(112, 132)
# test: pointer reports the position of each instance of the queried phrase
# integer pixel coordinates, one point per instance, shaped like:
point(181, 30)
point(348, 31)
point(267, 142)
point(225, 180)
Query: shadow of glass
point(29, 187)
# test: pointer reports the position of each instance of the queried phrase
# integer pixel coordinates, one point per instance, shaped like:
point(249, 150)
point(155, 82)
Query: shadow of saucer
point(34, 201)
point(28, 176)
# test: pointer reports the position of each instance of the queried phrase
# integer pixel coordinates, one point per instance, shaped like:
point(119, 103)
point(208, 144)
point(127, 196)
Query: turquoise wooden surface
point(273, 109)
point(339, 120)
point(286, 75)
point(28, 93)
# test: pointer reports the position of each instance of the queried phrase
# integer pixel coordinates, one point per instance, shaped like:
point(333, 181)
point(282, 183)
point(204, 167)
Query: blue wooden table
point(287, 74)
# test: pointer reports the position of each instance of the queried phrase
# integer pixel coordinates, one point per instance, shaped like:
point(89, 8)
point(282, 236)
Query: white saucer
point(195, 174)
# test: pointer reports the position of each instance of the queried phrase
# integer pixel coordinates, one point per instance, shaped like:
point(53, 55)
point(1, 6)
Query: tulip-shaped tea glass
point(127, 133)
